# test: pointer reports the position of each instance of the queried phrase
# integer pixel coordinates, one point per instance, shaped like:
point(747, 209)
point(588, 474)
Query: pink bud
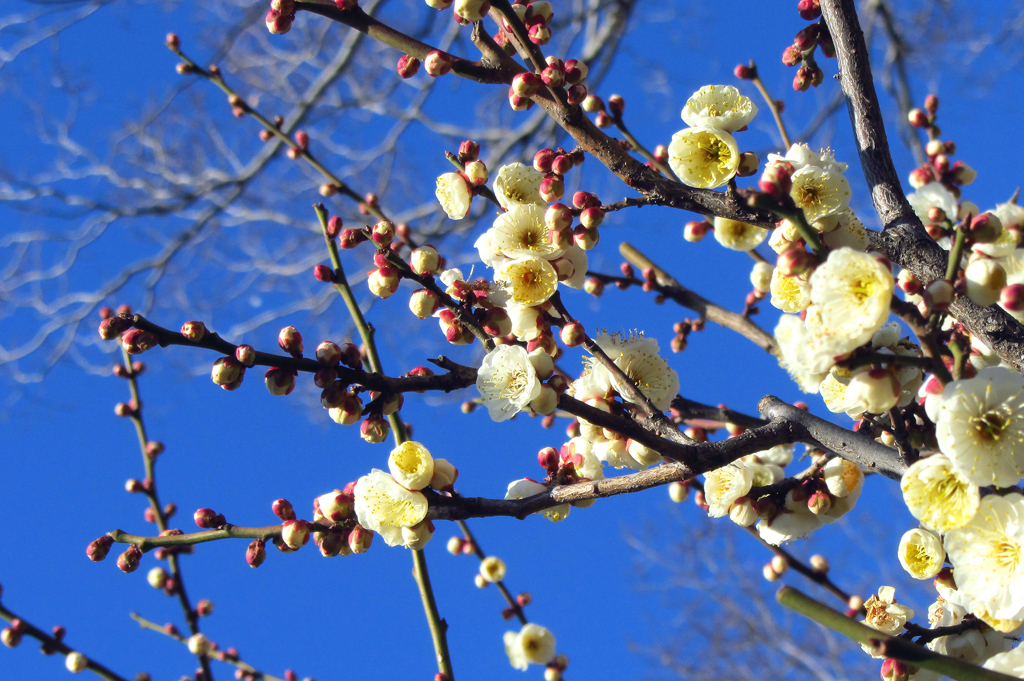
point(497, 322)
point(290, 340)
point(591, 218)
point(246, 355)
point(561, 164)
point(98, 548)
point(1012, 297)
point(552, 188)
point(193, 331)
point(616, 105)
point(226, 371)
point(573, 334)
point(374, 429)
point(543, 159)
point(594, 286)
point(469, 151)
point(207, 518)
point(558, 217)
point(744, 72)
point(129, 560)
point(280, 382)
point(577, 93)
point(437, 63)
point(695, 231)
point(283, 509)
point(918, 118)
point(553, 76)
point(359, 539)
point(112, 327)
point(408, 66)
point(931, 103)
point(137, 341)
point(792, 56)
point(350, 238)
point(526, 84)
point(575, 71)
point(793, 261)
point(518, 102)
point(351, 356)
point(256, 553)
point(277, 23)
point(809, 9)
point(295, 533)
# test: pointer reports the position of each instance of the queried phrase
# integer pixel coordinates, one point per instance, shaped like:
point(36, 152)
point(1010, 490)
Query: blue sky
point(65, 456)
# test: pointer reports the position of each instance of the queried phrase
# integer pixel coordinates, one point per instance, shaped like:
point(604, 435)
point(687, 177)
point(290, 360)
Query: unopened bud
point(256, 553)
point(129, 560)
point(819, 563)
point(437, 63)
point(695, 231)
point(99, 548)
point(408, 66)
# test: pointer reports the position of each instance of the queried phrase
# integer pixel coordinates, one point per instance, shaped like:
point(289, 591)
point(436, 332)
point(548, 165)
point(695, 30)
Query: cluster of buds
point(456, 190)
point(806, 41)
point(939, 167)
point(266, 135)
point(555, 74)
point(607, 115)
point(280, 16)
point(536, 18)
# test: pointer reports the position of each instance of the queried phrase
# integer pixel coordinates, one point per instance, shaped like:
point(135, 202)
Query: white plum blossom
point(531, 644)
point(411, 465)
point(820, 193)
point(529, 280)
point(725, 485)
point(790, 294)
point(719, 106)
point(1010, 662)
point(521, 231)
point(384, 506)
point(800, 155)
point(738, 236)
point(933, 195)
point(980, 426)
point(849, 233)
point(921, 553)
point(851, 293)
point(703, 157)
point(454, 194)
point(789, 525)
point(937, 495)
point(572, 267)
point(616, 454)
point(885, 614)
point(518, 183)
point(791, 334)
point(526, 321)
point(988, 558)
point(842, 477)
point(591, 467)
point(507, 381)
point(639, 360)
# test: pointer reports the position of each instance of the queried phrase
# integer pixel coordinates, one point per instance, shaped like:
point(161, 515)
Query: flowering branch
point(52, 644)
point(513, 603)
point(228, 656)
point(903, 239)
point(150, 451)
point(881, 644)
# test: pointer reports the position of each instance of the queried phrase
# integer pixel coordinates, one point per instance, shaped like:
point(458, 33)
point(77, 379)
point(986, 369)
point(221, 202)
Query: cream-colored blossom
point(454, 195)
point(885, 614)
point(791, 335)
point(779, 455)
point(591, 467)
point(529, 281)
point(842, 477)
point(988, 558)
point(937, 495)
point(980, 427)
point(820, 193)
point(800, 155)
point(411, 465)
point(852, 292)
point(1010, 662)
point(518, 183)
point(507, 381)
point(532, 644)
point(921, 553)
point(719, 106)
point(651, 374)
point(725, 485)
point(849, 233)
point(572, 267)
point(492, 569)
point(524, 488)
point(761, 276)
point(933, 195)
point(703, 157)
point(384, 506)
point(521, 231)
point(789, 524)
point(615, 453)
point(790, 294)
point(527, 322)
point(738, 236)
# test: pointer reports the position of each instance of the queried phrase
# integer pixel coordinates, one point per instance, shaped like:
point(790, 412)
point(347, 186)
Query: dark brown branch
point(903, 240)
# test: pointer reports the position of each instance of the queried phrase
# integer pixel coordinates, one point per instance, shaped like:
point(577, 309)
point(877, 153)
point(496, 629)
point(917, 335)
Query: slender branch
point(903, 239)
point(882, 644)
point(513, 604)
point(797, 565)
point(438, 627)
point(642, 150)
point(221, 655)
point(671, 288)
point(50, 643)
point(772, 106)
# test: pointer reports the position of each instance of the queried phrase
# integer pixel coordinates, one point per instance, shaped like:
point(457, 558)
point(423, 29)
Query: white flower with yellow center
point(651, 374)
point(411, 465)
point(454, 194)
point(791, 334)
point(988, 558)
point(725, 485)
point(790, 294)
point(518, 183)
point(933, 195)
point(937, 495)
point(849, 233)
point(738, 236)
point(532, 644)
point(521, 232)
point(384, 506)
point(719, 106)
point(529, 281)
point(980, 427)
point(507, 381)
point(852, 292)
point(703, 157)
point(788, 525)
point(800, 155)
point(820, 193)
point(921, 553)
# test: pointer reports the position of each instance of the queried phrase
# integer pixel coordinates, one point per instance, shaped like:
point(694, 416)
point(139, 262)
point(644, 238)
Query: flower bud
point(283, 509)
point(543, 159)
point(129, 560)
point(985, 280)
point(437, 63)
point(1011, 297)
point(895, 670)
point(383, 233)
point(553, 76)
point(444, 477)
point(98, 548)
point(193, 331)
point(792, 55)
point(809, 9)
point(75, 662)
point(497, 322)
point(359, 539)
point(819, 502)
point(10, 637)
point(137, 341)
point(348, 410)
point(749, 164)
point(557, 217)
point(351, 356)
point(280, 382)
point(277, 24)
point(561, 164)
point(207, 518)
point(743, 512)
point(295, 533)
point(875, 391)
point(939, 294)
point(374, 429)
point(577, 93)
point(985, 228)
point(769, 573)
point(256, 553)
point(552, 188)
point(198, 644)
point(695, 231)
point(423, 303)
point(546, 402)
point(594, 286)
point(408, 66)
point(575, 71)
point(383, 281)
point(226, 370)
point(819, 564)
point(204, 608)
point(777, 180)
point(573, 334)
point(418, 536)
point(793, 262)
point(112, 327)
point(157, 577)
point(526, 84)
point(585, 238)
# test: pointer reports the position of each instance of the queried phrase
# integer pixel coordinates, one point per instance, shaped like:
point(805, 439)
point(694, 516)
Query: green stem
point(883, 644)
point(438, 627)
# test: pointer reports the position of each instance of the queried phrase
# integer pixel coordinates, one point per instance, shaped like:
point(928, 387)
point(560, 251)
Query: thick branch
point(903, 240)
